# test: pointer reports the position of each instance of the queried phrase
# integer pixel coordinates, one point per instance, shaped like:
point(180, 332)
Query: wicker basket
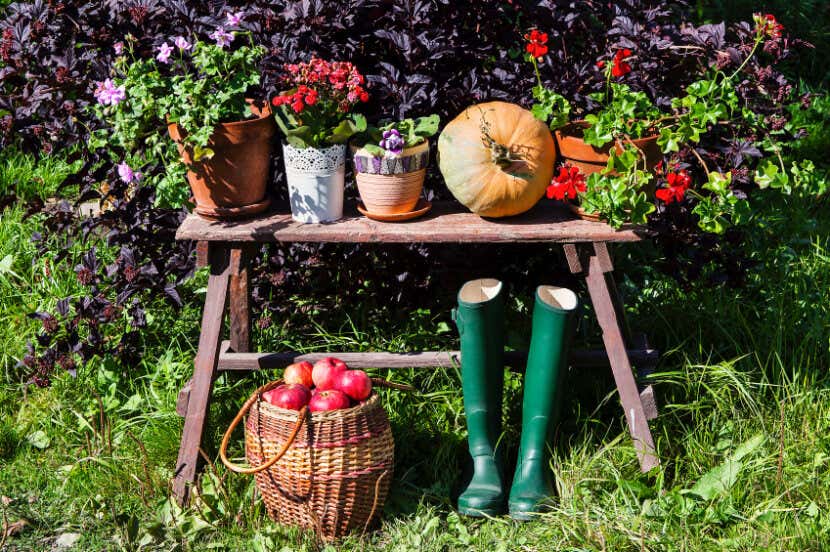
point(326, 471)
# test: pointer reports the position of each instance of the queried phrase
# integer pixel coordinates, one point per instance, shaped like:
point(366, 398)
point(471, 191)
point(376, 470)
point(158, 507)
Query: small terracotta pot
point(590, 159)
point(391, 184)
point(232, 183)
point(581, 213)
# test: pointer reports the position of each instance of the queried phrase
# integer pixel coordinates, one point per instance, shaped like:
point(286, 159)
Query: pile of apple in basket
point(320, 447)
point(328, 385)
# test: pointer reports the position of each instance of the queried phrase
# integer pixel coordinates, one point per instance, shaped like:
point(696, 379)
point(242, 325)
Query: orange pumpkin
point(496, 158)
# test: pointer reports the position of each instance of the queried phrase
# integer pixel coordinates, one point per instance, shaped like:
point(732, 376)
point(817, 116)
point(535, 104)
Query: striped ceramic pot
point(391, 184)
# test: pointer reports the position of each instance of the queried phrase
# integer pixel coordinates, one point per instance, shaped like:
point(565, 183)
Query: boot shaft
point(553, 323)
point(480, 321)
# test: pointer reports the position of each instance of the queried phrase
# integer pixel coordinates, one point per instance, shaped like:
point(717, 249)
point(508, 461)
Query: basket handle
point(301, 415)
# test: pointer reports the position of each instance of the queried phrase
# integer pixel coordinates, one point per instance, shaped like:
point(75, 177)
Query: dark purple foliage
point(421, 56)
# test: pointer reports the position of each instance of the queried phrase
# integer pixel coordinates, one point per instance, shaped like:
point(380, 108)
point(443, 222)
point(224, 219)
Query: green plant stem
point(536, 70)
point(758, 40)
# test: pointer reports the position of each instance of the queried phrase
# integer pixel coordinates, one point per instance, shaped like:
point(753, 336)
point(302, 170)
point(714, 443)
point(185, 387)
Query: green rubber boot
point(553, 323)
point(480, 321)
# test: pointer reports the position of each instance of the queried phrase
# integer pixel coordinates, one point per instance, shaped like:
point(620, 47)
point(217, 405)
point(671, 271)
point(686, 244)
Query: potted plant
point(199, 91)
point(625, 117)
point(316, 118)
point(390, 164)
point(636, 180)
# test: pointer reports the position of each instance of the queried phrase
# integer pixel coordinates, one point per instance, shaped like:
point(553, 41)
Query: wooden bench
point(227, 248)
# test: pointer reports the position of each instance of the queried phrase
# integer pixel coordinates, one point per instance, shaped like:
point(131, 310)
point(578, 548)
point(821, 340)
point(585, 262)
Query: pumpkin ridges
point(476, 180)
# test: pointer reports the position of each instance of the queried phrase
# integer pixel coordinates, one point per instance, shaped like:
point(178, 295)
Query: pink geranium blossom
point(127, 174)
point(222, 37)
point(108, 94)
point(234, 19)
point(164, 53)
point(182, 43)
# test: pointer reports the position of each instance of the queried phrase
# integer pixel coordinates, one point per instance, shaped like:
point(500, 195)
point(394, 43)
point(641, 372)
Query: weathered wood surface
point(201, 386)
point(448, 222)
point(240, 300)
point(424, 359)
point(612, 335)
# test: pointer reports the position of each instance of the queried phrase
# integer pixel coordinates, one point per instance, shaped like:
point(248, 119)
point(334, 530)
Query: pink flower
point(182, 43)
point(222, 37)
point(164, 53)
point(234, 19)
point(126, 173)
point(108, 94)
point(119, 48)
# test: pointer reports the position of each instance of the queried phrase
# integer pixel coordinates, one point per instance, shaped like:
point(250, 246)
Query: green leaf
point(38, 439)
point(375, 150)
point(200, 153)
point(748, 447)
point(541, 111)
point(668, 141)
point(6, 264)
point(717, 481)
point(768, 175)
point(427, 126)
point(347, 128)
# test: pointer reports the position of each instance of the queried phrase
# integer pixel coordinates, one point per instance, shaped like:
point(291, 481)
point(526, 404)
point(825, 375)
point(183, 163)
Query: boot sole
point(523, 516)
point(482, 512)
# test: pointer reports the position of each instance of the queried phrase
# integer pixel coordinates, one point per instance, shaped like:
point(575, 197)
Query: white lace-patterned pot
point(315, 182)
point(391, 184)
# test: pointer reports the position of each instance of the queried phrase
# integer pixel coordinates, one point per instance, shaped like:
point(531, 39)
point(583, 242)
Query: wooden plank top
point(447, 222)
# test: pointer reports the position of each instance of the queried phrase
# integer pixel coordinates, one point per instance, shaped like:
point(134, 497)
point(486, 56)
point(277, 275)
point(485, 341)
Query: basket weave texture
point(335, 477)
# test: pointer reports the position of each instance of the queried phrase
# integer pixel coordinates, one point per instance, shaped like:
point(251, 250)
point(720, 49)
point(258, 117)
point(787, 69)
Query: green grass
point(744, 429)
point(28, 177)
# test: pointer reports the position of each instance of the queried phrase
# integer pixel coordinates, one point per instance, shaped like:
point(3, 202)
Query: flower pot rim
point(181, 133)
point(285, 143)
point(411, 150)
point(563, 134)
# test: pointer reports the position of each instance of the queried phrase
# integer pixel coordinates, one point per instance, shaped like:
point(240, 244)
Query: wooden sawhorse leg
point(228, 276)
point(594, 262)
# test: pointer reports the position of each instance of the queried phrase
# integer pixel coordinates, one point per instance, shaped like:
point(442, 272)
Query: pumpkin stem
point(500, 154)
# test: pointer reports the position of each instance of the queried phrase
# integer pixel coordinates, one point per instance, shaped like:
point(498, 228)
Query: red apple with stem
point(324, 372)
point(332, 399)
point(292, 396)
point(299, 372)
point(354, 383)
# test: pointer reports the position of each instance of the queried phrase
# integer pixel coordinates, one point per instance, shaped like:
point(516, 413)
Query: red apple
point(324, 372)
point(292, 396)
point(332, 399)
point(299, 372)
point(355, 383)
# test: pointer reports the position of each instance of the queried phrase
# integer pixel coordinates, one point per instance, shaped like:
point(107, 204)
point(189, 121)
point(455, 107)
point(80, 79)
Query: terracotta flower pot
point(590, 159)
point(232, 183)
point(391, 184)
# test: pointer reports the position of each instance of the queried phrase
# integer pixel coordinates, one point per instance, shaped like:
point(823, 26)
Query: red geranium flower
point(678, 183)
point(567, 185)
point(766, 24)
point(536, 43)
point(620, 67)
